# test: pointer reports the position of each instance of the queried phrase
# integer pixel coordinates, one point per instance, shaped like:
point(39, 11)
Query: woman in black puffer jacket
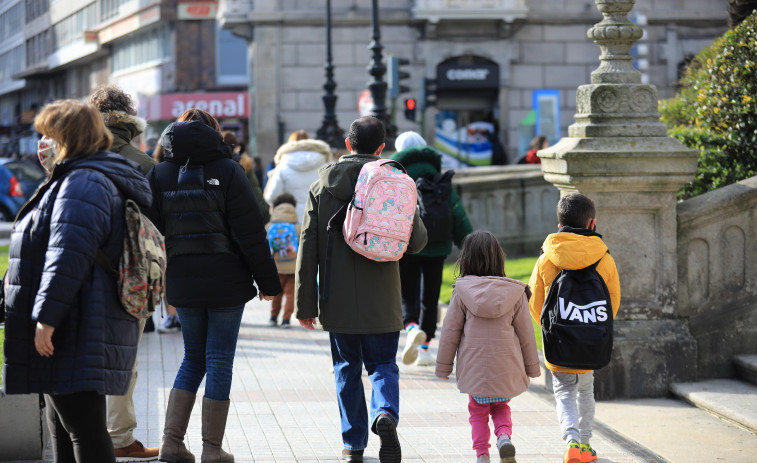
point(66, 334)
point(216, 245)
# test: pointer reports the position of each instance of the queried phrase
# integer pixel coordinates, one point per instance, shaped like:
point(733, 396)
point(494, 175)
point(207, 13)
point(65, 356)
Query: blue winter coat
point(52, 278)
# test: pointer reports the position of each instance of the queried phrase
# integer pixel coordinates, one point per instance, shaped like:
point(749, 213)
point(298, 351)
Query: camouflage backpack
point(142, 267)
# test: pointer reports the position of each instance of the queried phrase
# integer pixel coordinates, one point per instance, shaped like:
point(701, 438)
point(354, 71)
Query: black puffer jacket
point(52, 278)
point(215, 235)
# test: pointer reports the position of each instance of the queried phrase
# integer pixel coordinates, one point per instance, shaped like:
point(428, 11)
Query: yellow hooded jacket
point(571, 251)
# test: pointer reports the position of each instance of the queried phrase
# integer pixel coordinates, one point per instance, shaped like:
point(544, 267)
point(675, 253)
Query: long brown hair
point(194, 114)
point(77, 127)
point(481, 256)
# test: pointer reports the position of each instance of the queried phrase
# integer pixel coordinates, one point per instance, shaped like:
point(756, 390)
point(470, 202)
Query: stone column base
point(648, 355)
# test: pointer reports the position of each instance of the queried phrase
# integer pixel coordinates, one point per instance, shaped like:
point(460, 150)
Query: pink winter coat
point(489, 327)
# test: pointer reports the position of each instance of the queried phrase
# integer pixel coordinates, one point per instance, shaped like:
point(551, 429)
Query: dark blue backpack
point(577, 320)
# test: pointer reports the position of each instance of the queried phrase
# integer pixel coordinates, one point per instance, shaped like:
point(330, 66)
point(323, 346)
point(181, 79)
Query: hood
point(284, 213)
point(340, 178)
point(574, 248)
point(417, 155)
point(477, 294)
point(131, 126)
point(298, 146)
point(125, 174)
point(193, 141)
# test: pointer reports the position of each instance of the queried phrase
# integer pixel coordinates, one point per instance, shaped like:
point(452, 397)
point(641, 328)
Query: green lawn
point(520, 269)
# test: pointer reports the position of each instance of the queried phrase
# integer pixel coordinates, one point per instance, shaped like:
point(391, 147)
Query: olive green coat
point(124, 128)
point(364, 295)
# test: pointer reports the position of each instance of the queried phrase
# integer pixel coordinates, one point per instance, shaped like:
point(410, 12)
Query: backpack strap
point(333, 227)
point(594, 265)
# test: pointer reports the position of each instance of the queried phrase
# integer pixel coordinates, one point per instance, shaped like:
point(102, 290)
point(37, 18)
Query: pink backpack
point(379, 217)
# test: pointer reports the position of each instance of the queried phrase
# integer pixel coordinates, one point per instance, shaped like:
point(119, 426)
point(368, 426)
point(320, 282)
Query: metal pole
point(377, 68)
point(330, 132)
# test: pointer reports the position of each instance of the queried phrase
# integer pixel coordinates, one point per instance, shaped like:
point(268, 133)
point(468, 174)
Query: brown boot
point(214, 413)
point(172, 450)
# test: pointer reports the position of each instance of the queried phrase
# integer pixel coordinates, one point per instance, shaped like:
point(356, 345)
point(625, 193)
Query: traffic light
point(410, 109)
point(428, 93)
point(395, 76)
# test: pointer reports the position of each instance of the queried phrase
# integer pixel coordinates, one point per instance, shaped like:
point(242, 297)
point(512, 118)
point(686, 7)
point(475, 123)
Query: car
point(19, 180)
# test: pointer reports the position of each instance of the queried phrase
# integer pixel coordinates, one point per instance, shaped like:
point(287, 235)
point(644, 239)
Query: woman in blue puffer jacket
point(66, 334)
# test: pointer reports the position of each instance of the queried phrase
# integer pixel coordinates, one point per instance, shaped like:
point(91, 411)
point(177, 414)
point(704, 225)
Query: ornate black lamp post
point(377, 69)
point(330, 132)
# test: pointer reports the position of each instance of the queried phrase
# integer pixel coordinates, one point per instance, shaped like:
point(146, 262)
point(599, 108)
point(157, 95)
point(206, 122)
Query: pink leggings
point(479, 421)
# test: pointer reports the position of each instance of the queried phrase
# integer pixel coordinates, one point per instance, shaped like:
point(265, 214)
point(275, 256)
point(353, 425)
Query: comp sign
point(197, 10)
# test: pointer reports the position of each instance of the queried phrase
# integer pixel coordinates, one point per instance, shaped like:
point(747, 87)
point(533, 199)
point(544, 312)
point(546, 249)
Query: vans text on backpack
point(379, 218)
point(577, 320)
point(433, 201)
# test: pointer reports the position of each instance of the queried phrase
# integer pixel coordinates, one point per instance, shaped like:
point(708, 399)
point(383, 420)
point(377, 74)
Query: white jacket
point(297, 164)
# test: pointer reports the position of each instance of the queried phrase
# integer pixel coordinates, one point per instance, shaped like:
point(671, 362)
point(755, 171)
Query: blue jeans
point(210, 339)
point(377, 352)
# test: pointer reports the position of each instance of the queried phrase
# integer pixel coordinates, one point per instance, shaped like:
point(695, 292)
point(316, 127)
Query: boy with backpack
point(283, 233)
point(571, 283)
point(355, 296)
point(446, 222)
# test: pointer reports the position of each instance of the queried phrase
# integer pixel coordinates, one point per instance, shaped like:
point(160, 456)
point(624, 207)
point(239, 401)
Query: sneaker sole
point(127, 459)
point(410, 353)
point(507, 453)
point(390, 450)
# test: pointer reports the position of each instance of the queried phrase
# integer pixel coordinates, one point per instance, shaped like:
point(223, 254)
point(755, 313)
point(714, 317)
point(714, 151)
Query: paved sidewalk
point(284, 406)
point(284, 410)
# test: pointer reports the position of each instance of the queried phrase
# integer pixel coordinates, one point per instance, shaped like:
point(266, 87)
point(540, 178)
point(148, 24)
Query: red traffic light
point(410, 103)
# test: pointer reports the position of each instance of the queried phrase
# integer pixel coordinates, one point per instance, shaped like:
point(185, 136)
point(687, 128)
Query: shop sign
point(197, 10)
point(469, 73)
point(220, 105)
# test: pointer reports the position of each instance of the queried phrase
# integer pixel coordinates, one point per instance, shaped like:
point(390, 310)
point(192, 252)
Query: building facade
point(168, 54)
point(507, 68)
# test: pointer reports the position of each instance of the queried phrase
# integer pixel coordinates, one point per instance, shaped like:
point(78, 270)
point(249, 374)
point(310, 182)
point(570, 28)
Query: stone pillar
point(618, 153)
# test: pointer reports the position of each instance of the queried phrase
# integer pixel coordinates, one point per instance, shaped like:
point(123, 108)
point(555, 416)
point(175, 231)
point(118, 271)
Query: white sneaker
point(425, 358)
point(415, 337)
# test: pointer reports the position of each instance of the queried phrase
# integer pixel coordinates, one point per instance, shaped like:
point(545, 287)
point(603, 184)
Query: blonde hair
point(299, 135)
point(77, 128)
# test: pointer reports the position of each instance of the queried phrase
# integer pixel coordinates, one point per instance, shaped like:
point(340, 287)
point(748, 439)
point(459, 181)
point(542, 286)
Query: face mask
point(46, 152)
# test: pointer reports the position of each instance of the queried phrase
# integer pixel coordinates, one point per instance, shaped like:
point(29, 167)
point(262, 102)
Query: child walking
point(283, 234)
point(576, 245)
point(488, 326)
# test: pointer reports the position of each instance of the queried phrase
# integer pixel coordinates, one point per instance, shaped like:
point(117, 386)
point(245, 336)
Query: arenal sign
point(221, 105)
point(467, 73)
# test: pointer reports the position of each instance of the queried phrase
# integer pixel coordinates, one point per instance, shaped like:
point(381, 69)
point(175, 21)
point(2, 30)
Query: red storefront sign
point(220, 105)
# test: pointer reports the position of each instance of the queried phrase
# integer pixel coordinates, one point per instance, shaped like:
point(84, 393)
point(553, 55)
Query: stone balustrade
point(717, 276)
point(515, 203)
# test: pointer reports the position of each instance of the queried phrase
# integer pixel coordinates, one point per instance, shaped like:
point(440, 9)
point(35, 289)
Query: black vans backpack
point(577, 320)
point(433, 202)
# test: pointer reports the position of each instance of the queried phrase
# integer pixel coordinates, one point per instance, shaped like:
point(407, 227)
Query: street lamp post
point(377, 69)
point(330, 132)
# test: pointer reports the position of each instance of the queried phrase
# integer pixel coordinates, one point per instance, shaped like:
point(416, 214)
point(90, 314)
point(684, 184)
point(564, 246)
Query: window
point(10, 20)
point(72, 27)
point(110, 8)
point(546, 103)
point(11, 62)
point(38, 48)
point(141, 49)
point(231, 58)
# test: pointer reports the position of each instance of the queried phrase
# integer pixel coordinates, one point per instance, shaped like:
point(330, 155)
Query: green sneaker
point(587, 453)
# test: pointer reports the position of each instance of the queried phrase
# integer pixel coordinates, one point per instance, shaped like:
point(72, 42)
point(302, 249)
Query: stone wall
point(717, 276)
point(513, 202)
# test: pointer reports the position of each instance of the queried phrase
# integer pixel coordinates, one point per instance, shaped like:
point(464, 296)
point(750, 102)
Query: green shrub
point(716, 110)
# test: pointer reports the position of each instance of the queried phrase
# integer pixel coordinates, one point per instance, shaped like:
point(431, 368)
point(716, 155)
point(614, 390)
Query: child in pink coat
point(489, 327)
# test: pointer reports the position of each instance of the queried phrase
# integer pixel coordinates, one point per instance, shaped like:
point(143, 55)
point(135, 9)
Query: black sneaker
point(149, 325)
point(355, 456)
point(390, 451)
point(286, 323)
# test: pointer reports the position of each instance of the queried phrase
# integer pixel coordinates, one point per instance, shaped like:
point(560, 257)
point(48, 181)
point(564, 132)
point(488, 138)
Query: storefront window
point(231, 58)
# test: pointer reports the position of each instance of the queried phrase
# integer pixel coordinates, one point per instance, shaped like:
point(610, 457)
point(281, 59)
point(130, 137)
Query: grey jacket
point(365, 295)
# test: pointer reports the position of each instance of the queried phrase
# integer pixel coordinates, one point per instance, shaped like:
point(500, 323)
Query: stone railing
point(717, 275)
point(513, 202)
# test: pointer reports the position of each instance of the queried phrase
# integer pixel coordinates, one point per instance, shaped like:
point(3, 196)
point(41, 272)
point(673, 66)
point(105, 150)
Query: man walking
point(121, 119)
point(357, 300)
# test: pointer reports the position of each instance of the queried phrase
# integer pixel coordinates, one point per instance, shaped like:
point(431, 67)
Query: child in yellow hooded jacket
point(576, 245)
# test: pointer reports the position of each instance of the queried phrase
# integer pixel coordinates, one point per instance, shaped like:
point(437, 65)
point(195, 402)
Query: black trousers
point(420, 301)
point(79, 428)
